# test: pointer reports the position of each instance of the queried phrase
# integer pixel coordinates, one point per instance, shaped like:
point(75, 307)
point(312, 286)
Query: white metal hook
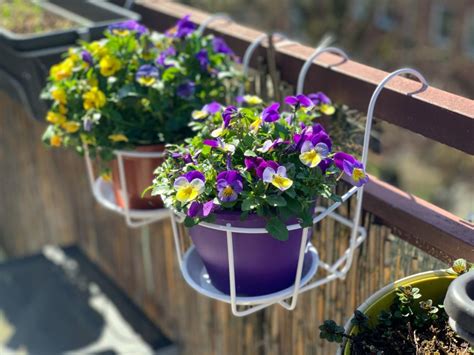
point(251, 49)
point(210, 19)
point(309, 61)
point(365, 152)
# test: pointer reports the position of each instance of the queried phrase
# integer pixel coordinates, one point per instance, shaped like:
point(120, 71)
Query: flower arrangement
point(256, 159)
point(136, 87)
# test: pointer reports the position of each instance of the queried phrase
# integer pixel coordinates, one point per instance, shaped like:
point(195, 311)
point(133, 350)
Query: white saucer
point(104, 194)
point(196, 276)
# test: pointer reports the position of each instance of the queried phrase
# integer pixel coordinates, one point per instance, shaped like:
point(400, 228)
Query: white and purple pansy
point(189, 186)
point(207, 110)
point(311, 155)
point(299, 101)
point(277, 178)
point(219, 144)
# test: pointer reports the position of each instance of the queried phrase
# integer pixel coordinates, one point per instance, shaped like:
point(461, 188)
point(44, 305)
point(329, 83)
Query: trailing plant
point(256, 159)
point(410, 326)
point(136, 87)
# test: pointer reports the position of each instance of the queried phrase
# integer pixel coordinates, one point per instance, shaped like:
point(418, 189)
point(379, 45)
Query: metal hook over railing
point(365, 152)
point(283, 41)
point(309, 61)
point(210, 19)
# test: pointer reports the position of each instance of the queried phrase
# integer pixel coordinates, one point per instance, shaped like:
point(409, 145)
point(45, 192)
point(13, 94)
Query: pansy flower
point(229, 185)
point(323, 102)
point(183, 28)
point(87, 57)
point(251, 100)
point(186, 89)
point(299, 101)
point(208, 109)
point(197, 209)
point(147, 75)
point(219, 144)
point(203, 59)
point(124, 28)
point(109, 65)
point(271, 113)
point(164, 58)
point(277, 178)
point(186, 157)
point(311, 155)
point(251, 163)
point(269, 145)
point(229, 113)
point(219, 46)
point(315, 134)
point(265, 164)
point(353, 168)
point(189, 186)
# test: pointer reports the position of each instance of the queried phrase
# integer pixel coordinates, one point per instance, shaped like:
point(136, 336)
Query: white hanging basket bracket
point(104, 195)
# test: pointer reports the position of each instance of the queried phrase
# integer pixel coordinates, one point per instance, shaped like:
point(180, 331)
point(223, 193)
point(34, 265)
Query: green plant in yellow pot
point(405, 317)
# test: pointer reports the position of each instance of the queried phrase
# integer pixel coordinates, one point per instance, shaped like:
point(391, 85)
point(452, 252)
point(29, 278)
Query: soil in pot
point(26, 17)
point(262, 263)
point(410, 334)
point(138, 176)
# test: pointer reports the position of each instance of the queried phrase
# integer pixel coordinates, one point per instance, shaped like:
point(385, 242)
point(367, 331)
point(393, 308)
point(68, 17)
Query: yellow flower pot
point(432, 284)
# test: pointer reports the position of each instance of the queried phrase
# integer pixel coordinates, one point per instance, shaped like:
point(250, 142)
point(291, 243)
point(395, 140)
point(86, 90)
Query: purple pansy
point(316, 134)
point(147, 74)
point(203, 59)
point(319, 98)
point(325, 164)
point(194, 174)
point(251, 163)
point(270, 113)
point(197, 209)
point(229, 185)
point(219, 46)
point(353, 168)
point(129, 25)
point(186, 89)
point(299, 101)
point(229, 113)
point(219, 143)
point(163, 58)
point(187, 157)
point(184, 27)
point(87, 57)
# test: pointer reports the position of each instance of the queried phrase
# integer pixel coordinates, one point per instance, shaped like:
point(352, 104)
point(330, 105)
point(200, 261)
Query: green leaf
point(190, 222)
point(170, 73)
point(250, 153)
point(276, 200)
point(248, 204)
point(277, 229)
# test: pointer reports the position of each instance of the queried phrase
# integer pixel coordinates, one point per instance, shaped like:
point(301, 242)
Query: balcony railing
point(45, 199)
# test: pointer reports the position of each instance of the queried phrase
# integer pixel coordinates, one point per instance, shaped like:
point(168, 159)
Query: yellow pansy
point(62, 70)
point(109, 65)
point(255, 125)
point(187, 191)
point(94, 98)
point(327, 109)
point(252, 99)
point(97, 49)
point(71, 126)
point(119, 137)
point(73, 55)
point(55, 118)
point(59, 94)
point(62, 109)
point(55, 140)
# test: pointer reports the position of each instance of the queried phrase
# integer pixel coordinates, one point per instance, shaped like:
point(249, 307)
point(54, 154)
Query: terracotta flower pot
point(138, 176)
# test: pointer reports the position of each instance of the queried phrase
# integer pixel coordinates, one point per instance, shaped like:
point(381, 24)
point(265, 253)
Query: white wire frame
point(282, 42)
point(340, 267)
point(215, 17)
point(134, 218)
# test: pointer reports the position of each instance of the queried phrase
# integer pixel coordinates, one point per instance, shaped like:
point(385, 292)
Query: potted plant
point(135, 90)
point(254, 167)
point(406, 317)
point(34, 33)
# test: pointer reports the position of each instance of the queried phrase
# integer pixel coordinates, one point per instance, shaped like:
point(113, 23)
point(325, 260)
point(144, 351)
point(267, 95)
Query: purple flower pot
point(262, 263)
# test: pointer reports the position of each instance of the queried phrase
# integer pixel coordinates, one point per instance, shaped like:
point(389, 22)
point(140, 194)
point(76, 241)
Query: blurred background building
point(434, 36)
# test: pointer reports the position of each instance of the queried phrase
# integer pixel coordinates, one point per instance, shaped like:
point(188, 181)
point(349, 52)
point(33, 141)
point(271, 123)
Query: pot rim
point(387, 290)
